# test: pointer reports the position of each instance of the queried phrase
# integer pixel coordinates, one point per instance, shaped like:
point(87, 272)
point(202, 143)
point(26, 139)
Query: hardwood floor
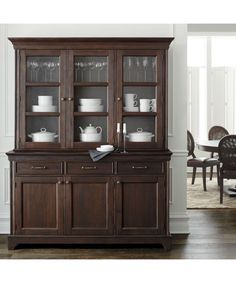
point(212, 236)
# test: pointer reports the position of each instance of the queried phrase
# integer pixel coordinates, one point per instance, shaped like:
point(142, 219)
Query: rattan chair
point(200, 162)
point(227, 156)
point(216, 133)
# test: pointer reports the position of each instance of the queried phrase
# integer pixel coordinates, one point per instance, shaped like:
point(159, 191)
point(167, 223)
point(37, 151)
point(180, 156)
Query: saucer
point(104, 150)
point(131, 109)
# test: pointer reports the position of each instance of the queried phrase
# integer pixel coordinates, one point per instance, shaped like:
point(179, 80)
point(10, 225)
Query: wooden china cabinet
point(58, 194)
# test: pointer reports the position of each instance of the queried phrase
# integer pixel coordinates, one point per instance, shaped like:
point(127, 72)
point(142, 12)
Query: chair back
point(217, 132)
point(190, 144)
point(227, 152)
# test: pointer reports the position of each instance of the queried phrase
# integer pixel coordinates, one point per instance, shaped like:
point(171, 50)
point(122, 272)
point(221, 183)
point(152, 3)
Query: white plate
point(103, 150)
point(39, 108)
point(98, 108)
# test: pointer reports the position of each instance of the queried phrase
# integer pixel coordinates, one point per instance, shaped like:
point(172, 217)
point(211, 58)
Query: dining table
point(208, 145)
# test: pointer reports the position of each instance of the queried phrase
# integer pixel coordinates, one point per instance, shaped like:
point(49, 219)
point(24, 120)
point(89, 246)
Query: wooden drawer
point(89, 168)
point(140, 168)
point(39, 168)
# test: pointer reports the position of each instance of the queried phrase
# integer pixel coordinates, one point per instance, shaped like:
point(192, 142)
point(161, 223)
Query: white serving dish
point(96, 137)
point(104, 150)
point(43, 136)
point(90, 108)
point(131, 109)
point(107, 147)
point(45, 100)
point(140, 136)
point(44, 108)
point(90, 101)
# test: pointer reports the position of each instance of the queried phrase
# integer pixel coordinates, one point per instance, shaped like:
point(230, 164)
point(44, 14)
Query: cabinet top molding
point(91, 42)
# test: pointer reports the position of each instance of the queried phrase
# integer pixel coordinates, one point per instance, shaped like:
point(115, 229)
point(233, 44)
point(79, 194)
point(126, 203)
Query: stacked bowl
point(44, 104)
point(90, 105)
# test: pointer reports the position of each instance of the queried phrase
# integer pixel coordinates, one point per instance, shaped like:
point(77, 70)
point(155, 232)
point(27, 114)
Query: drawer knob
point(59, 182)
point(70, 98)
point(67, 182)
point(88, 167)
point(139, 167)
point(117, 182)
point(38, 167)
point(118, 98)
point(63, 99)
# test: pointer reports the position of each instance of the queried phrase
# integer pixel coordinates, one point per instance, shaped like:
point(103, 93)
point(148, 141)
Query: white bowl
point(90, 108)
point(107, 147)
point(39, 108)
point(90, 101)
point(104, 150)
point(44, 100)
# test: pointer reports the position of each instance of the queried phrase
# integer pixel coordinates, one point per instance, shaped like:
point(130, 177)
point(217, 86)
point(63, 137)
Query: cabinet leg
point(167, 245)
point(12, 244)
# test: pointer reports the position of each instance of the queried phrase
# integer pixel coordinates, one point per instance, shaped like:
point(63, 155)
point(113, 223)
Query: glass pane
point(137, 99)
point(90, 99)
point(136, 125)
point(97, 131)
point(139, 69)
point(35, 124)
point(90, 69)
point(43, 69)
point(42, 99)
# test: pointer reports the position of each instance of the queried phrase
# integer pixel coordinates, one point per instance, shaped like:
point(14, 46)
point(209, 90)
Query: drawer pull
point(38, 167)
point(88, 167)
point(67, 182)
point(59, 182)
point(139, 167)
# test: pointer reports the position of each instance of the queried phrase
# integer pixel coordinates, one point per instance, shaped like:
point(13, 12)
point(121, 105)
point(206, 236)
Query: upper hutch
point(56, 188)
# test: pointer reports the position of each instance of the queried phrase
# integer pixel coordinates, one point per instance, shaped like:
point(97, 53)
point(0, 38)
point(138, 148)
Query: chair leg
point(221, 189)
point(204, 178)
point(218, 174)
point(211, 172)
point(194, 175)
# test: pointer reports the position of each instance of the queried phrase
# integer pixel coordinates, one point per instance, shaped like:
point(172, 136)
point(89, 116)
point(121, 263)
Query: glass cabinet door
point(140, 88)
point(92, 94)
point(42, 110)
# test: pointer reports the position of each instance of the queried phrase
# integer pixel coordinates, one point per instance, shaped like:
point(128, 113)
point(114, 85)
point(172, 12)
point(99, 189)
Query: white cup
point(154, 105)
point(129, 99)
point(146, 105)
point(44, 100)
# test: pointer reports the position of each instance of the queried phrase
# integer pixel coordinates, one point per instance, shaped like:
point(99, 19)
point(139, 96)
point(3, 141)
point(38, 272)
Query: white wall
point(177, 101)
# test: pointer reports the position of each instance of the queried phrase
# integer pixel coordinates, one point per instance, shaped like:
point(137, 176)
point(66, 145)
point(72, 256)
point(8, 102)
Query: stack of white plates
point(131, 109)
point(44, 104)
point(105, 148)
point(90, 105)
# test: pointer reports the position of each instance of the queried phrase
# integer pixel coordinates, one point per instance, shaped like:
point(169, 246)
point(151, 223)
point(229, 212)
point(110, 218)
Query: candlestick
point(118, 128)
point(124, 128)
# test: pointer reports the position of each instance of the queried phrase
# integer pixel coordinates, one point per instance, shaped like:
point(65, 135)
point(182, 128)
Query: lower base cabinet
point(78, 206)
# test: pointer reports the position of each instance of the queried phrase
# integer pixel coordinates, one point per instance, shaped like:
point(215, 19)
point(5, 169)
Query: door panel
point(39, 205)
point(89, 206)
point(139, 202)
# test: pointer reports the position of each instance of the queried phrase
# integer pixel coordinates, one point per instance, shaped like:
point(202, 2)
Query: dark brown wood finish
point(58, 195)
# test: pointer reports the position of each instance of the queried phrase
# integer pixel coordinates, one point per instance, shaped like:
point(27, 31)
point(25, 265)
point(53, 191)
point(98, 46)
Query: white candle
point(118, 127)
point(124, 128)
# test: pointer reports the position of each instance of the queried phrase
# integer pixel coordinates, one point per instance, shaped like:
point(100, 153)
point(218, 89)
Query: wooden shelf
point(51, 114)
point(141, 83)
point(90, 113)
point(142, 114)
point(90, 83)
point(43, 84)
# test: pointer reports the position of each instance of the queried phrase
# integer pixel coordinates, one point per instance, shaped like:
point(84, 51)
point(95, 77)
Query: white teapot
point(91, 134)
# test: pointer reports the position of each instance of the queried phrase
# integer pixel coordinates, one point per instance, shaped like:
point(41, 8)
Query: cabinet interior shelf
point(140, 83)
point(42, 84)
point(139, 114)
point(90, 83)
point(90, 113)
point(51, 114)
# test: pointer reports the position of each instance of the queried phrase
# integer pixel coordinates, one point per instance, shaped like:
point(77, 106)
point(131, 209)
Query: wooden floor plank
point(212, 236)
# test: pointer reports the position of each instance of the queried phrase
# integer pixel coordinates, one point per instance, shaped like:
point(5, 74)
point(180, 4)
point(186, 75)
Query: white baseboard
point(179, 224)
point(4, 225)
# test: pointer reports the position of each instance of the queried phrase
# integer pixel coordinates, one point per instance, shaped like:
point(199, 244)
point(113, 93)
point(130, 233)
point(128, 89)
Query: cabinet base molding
point(14, 240)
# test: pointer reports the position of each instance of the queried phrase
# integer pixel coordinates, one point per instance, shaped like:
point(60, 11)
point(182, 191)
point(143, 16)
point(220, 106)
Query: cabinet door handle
point(38, 167)
point(70, 98)
point(88, 167)
point(139, 167)
point(118, 99)
point(59, 182)
point(63, 98)
point(67, 182)
point(117, 182)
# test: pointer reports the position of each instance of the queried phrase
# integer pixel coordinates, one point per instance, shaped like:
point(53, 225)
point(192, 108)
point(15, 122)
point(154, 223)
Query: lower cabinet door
point(89, 206)
point(38, 205)
point(140, 205)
